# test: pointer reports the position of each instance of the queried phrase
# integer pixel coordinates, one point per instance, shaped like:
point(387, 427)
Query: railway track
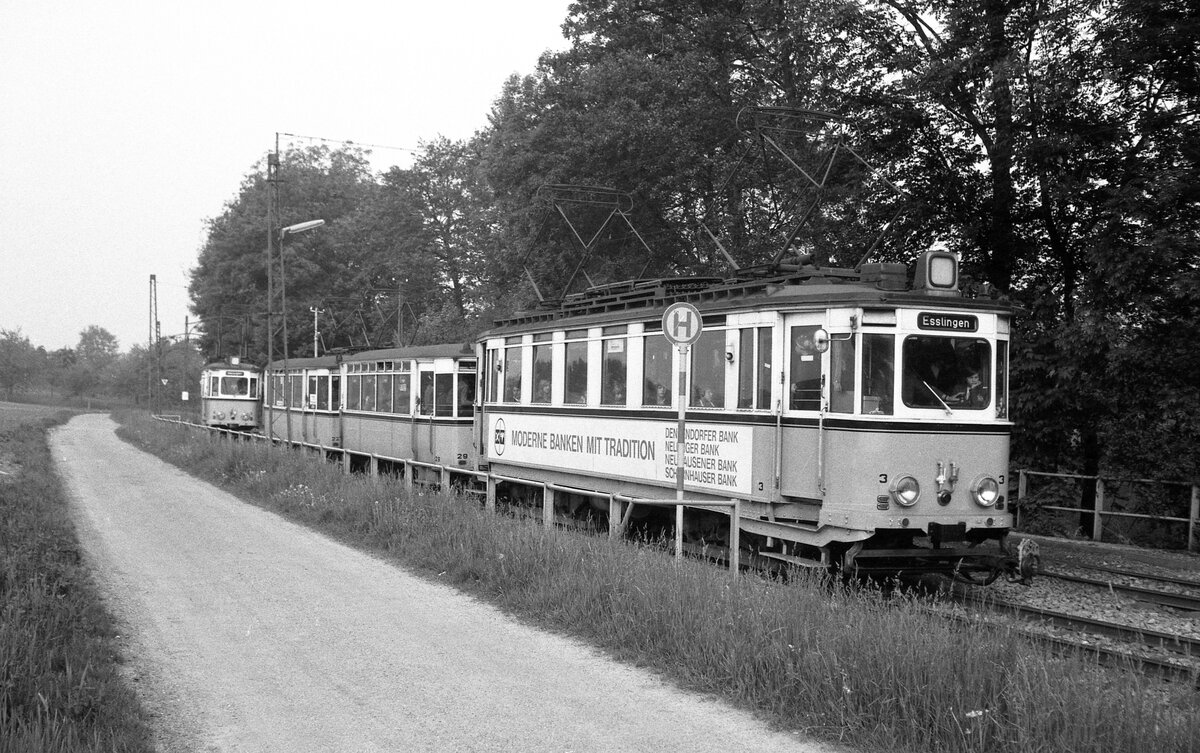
point(1176, 600)
point(1077, 633)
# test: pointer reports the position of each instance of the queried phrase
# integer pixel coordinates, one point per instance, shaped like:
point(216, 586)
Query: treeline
point(1053, 145)
point(96, 368)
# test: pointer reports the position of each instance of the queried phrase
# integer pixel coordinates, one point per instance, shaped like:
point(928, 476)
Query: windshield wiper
point(939, 398)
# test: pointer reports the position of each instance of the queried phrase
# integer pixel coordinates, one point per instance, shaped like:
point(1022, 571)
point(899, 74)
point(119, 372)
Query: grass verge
point(60, 689)
point(848, 667)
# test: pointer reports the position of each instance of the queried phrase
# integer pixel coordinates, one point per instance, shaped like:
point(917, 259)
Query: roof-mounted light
point(937, 273)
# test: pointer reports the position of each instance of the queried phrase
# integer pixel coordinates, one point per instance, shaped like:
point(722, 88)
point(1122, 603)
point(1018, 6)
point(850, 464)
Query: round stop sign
point(681, 323)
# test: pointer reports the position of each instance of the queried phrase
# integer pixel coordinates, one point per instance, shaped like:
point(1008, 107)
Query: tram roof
point(231, 366)
point(809, 288)
point(413, 352)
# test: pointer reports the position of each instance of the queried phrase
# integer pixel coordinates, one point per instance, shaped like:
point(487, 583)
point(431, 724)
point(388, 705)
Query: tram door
point(422, 440)
point(803, 405)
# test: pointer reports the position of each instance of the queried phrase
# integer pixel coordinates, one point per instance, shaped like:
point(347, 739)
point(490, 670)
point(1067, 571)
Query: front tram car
point(229, 396)
point(862, 420)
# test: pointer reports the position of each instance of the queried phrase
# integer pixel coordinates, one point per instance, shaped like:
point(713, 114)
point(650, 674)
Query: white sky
point(124, 125)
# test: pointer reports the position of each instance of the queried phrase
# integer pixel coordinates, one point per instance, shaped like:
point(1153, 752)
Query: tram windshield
point(234, 386)
point(946, 372)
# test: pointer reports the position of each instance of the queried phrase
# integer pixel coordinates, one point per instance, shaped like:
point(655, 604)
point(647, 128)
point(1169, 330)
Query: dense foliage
point(1051, 144)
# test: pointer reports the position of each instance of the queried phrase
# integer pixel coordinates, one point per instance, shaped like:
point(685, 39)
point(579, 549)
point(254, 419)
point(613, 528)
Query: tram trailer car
point(230, 396)
point(415, 403)
point(861, 420)
point(302, 401)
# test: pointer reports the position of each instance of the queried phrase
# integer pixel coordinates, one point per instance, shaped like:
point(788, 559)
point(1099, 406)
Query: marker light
point(937, 273)
point(985, 490)
point(905, 490)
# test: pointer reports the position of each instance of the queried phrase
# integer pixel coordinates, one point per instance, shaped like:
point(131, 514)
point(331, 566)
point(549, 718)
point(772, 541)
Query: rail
point(549, 489)
point(1099, 514)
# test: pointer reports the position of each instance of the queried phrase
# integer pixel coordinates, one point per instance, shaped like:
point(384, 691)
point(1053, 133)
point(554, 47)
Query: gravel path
point(249, 633)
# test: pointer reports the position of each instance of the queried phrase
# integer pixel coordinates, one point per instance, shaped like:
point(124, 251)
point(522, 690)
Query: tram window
point(311, 394)
point(656, 371)
point(401, 396)
point(805, 369)
point(493, 370)
point(277, 389)
point(754, 363)
point(384, 390)
point(841, 378)
point(878, 374)
point(213, 386)
point(951, 372)
point(296, 385)
point(612, 372)
point(335, 394)
point(512, 374)
point(1002, 379)
point(466, 395)
point(353, 389)
point(426, 384)
point(323, 393)
point(763, 357)
point(443, 402)
point(576, 371)
point(708, 370)
point(746, 368)
point(235, 386)
point(368, 392)
point(253, 386)
point(543, 379)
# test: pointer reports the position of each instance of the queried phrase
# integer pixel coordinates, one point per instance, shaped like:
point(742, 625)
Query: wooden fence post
point(1098, 517)
point(547, 506)
point(1194, 518)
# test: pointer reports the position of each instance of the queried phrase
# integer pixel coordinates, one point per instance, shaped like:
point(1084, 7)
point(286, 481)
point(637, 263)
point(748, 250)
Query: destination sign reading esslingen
point(951, 322)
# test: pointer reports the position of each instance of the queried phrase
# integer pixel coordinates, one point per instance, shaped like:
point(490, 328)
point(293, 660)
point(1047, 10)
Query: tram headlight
point(985, 490)
point(219, 415)
point(905, 490)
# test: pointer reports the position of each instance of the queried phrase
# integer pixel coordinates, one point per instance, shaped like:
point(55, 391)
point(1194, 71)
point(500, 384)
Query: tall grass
point(844, 665)
point(60, 689)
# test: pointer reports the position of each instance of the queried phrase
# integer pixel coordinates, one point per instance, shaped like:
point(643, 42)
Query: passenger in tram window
point(707, 399)
point(970, 392)
point(613, 391)
point(426, 407)
point(543, 391)
point(466, 391)
point(661, 395)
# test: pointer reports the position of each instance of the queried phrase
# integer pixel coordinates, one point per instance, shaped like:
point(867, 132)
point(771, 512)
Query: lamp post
point(299, 227)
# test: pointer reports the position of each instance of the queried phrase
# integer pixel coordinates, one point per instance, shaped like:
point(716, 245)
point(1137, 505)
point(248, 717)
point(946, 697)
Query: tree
point(229, 282)
point(18, 361)
point(93, 359)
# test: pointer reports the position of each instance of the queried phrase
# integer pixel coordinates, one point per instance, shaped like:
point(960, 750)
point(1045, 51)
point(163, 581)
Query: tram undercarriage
point(977, 556)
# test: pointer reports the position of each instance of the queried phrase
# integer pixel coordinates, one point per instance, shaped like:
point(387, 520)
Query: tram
point(230, 396)
point(861, 420)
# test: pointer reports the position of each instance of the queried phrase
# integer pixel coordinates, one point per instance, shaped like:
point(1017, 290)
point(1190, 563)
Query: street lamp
point(299, 227)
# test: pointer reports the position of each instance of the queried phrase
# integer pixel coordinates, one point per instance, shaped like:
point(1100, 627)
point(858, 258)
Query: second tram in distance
point(231, 396)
